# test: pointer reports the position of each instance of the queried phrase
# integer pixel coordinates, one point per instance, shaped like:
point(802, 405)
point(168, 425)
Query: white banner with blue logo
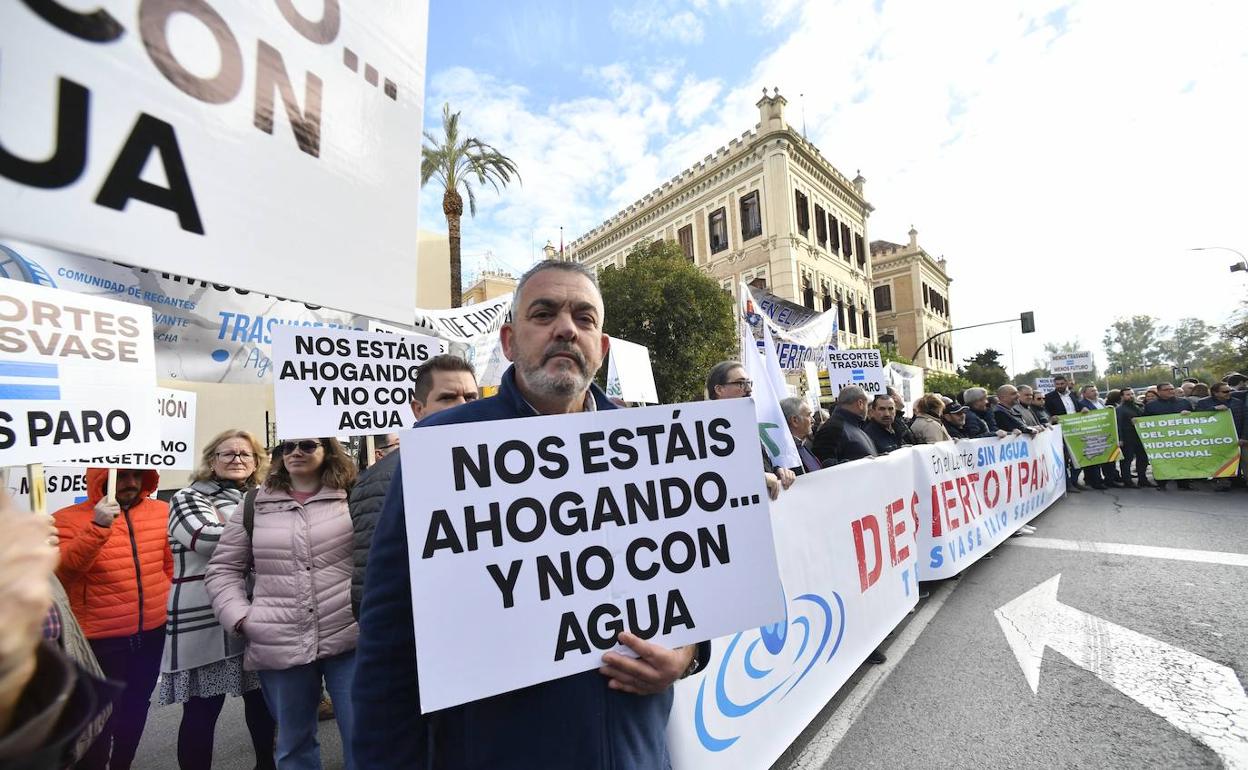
point(851, 543)
point(846, 548)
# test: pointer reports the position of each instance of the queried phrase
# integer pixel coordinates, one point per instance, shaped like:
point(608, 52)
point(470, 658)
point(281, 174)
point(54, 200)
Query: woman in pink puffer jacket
point(297, 623)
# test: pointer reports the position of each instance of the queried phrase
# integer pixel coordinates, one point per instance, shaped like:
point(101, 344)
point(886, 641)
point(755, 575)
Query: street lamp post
point(1243, 261)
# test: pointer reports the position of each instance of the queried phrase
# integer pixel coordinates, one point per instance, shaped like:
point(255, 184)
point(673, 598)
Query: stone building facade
point(768, 208)
point(911, 299)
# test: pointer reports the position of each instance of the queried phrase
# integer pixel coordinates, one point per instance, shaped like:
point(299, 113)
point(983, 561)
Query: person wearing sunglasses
point(202, 664)
point(295, 531)
point(1220, 400)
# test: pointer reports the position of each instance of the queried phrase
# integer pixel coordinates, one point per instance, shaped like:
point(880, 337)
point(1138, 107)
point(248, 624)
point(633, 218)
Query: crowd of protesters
point(277, 575)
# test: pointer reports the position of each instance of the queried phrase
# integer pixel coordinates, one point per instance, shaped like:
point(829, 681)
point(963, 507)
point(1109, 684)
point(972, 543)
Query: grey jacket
point(365, 504)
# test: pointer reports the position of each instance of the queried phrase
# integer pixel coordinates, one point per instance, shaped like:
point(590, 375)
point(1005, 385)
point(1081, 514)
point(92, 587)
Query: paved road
point(959, 699)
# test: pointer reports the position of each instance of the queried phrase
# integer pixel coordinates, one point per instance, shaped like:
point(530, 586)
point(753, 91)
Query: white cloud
point(658, 20)
point(1063, 156)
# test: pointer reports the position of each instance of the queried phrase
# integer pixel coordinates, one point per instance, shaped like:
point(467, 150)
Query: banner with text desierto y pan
point(845, 543)
point(1199, 445)
point(974, 494)
point(533, 542)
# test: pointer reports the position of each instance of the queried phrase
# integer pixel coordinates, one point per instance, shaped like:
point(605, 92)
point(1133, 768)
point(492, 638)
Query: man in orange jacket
point(116, 566)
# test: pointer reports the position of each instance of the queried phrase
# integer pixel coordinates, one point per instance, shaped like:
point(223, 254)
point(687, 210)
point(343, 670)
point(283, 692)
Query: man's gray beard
point(568, 383)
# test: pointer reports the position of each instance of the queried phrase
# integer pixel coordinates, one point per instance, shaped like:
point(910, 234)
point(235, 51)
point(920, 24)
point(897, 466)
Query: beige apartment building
point(911, 298)
point(488, 285)
point(767, 207)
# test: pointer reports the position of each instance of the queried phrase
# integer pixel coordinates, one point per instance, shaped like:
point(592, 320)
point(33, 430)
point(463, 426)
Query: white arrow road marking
point(1127, 549)
point(1200, 697)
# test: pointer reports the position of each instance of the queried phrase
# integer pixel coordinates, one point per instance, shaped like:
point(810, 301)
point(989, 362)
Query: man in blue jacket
point(615, 717)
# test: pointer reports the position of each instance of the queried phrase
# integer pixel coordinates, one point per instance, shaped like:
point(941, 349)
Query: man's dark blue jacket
point(574, 722)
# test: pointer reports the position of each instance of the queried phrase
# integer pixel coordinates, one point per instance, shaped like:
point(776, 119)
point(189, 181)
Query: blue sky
point(1063, 155)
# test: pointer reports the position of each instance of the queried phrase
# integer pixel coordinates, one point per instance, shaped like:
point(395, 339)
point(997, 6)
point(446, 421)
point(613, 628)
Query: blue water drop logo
point(220, 355)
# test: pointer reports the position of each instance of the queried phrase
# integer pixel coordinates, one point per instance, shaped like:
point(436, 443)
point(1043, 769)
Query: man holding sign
point(613, 717)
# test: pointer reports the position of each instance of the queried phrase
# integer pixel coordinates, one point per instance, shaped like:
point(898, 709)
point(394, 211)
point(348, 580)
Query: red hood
point(97, 480)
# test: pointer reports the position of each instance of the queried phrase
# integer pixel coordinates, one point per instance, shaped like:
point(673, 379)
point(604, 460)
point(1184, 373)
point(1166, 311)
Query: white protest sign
point(812, 384)
point(629, 376)
point(907, 380)
point(77, 374)
point(331, 382)
point(176, 411)
point(207, 138)
point(533, 542)
point(863, 368)
point(1071, 363)
point(471, 331)
point(62, 488)
point(1044, 384)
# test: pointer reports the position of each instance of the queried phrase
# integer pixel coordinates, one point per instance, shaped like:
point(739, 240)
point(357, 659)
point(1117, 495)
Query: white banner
point(178, 451)
point(77, 374)
point(908, 381)
point(845, 543)
point(800, 334)
point(975, 494)
point(471, 333)
point(221, 140)
point(334, 382)
point(811, 370)
point(532, 542)
point(863, 368)
point(203, 332)
point(1071, 363)
point(629, 376)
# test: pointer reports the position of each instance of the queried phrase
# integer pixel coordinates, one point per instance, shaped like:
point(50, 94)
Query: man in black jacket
point(1008, 413)
point(443, 382)
point(1132, 448)
point(1061, 400)
point(844, 437)
point(882, 425)
point(1169, 402)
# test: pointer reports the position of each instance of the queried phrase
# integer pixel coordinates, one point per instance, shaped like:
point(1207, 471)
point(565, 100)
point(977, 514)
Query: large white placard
point(222, 140)
point(77, 374)
point(62, 487)
point(339, 382)
point(845, 543)
point(863, 368)
point(629, 376)
point(176, 411)
point(1072, 363)
point(532, 542)
point(907, 380)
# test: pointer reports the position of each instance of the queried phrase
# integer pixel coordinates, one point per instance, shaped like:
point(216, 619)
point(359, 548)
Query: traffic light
point(1028, 320)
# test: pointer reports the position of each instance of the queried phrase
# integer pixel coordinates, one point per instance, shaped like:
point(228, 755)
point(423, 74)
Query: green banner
point(1200, 445)
point(1091, 437)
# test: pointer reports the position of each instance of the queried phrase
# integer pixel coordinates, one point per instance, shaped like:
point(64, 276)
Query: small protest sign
point(533, 542)
point(330, 382)
point(863, 368)
point(77, 374)
point(1091, 436)
point(629, 376)
point(1200, 445)
point(1044, 384)
point(1070, 363)
point(176, 412)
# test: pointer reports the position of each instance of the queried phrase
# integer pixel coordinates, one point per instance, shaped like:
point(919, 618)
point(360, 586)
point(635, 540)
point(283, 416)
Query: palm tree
point(455, 162)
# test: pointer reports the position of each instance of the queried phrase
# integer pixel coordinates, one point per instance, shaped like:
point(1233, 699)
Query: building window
point(834, 232)
point(751, 217)
point(927, 297)
point(803, 213)
point(685, 236)
point(808, 294)
point(883, 298)
point(840, 314)
point(827, 297)
point(853, 320)
point(860, 251)
point(821, 226)
point(718, 225)
point(846, 245)
point(866, 324)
